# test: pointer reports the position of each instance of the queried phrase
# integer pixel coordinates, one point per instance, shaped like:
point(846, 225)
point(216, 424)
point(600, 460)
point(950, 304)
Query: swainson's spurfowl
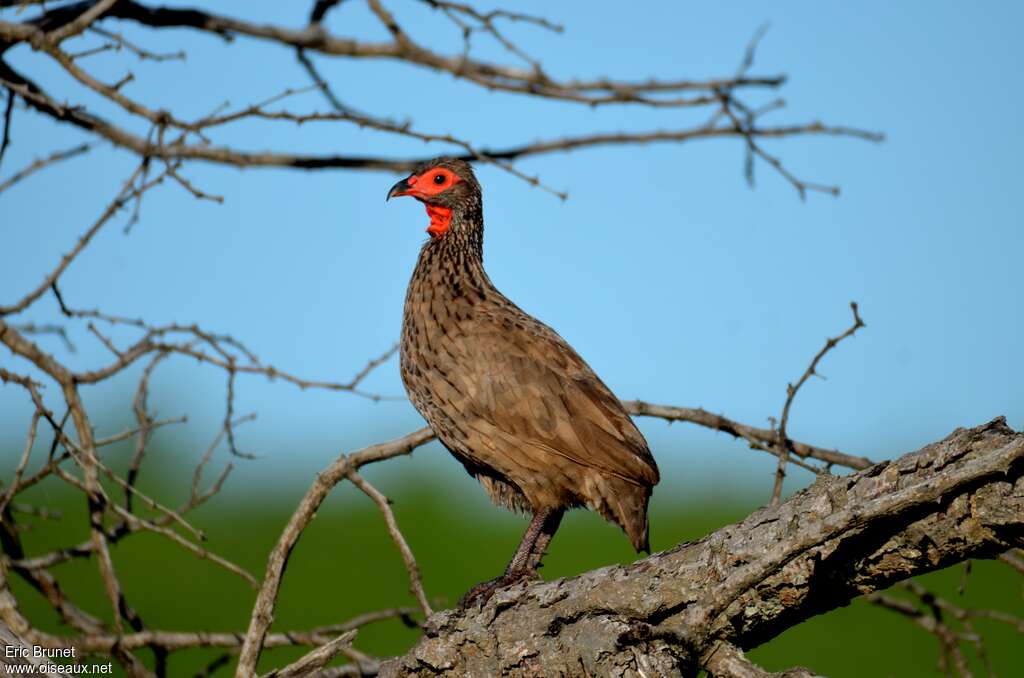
point(507, 396)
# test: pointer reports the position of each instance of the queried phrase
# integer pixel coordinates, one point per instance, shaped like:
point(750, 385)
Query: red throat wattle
point(440, 220)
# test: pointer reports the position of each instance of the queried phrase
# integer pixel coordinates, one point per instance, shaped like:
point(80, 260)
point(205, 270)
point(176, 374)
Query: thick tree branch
point(727, 661)
point(956, 499)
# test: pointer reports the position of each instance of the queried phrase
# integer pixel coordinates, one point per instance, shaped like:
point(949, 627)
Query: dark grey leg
point(526, 559)
point(548, 528)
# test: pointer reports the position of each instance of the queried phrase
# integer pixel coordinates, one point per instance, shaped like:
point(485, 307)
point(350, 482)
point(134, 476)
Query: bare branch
point(83, 21)
point(791, 391)
point(758, 438)
point(402, 613)
point(948, 639)
point(32, 328)
point(384, 504)
point(6, 140)
point(120, 42)
point(532, 81)
point(123, 196)
point(1014, 560)
point(22, 463)
point(315, 660)
point(266, 601)
point(320, 9)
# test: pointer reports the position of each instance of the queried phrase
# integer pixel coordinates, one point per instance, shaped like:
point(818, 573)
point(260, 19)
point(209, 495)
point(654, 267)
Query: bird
point(504, 393)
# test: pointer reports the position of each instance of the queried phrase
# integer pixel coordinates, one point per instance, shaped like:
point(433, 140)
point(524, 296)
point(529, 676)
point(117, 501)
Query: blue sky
point(677, 282)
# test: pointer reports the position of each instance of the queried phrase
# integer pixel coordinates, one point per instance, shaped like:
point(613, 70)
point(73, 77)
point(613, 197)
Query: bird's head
point(447, 187)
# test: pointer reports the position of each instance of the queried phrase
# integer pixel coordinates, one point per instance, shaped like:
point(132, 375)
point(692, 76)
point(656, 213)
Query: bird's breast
point(441, 318)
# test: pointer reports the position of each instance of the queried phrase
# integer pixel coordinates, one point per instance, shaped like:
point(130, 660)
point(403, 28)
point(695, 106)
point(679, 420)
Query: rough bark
point(667, 615)
point(16, 655)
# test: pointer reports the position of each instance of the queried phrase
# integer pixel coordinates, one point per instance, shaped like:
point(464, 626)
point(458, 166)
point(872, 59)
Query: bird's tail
point(627, 503)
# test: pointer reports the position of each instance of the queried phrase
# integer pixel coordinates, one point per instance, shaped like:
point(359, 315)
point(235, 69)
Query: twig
point(5, 500)
point(402, 613)
point(758, 438)
point(1013, 559)
point(315, 660)
point(36, 511)
point(141, 523)
point(178, 539)
point(172, 171)
point(949, 641)
point(6, 141)
point(382, 502)
point(197, 475)
point(782, 439)
point(140, 408)
point(72, 28)
point(122, 197)
point(143, 54)
point(320, 9)
point(128, 433)
point(32, 328)
point(266, 600)
point(43, 162)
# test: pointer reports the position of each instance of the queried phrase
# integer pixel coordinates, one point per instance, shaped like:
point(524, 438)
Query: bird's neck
point(456, 253)
point(464, 234)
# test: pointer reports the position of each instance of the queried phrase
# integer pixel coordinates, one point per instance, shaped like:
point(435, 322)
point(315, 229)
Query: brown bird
point(507, 396)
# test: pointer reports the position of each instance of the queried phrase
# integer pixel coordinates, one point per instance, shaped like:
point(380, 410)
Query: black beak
point(399, 189)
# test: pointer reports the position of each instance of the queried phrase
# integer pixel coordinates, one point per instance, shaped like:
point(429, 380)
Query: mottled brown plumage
point(505, 394)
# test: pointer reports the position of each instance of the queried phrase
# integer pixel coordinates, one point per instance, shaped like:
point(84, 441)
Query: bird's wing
point(516, 376)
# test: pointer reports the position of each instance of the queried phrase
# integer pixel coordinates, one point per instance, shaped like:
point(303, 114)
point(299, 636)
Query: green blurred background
point(680, 286)
point(345, 565)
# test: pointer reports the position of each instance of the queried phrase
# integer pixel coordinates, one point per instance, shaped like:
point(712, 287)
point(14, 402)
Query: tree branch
point(727, 661)
point(956, 499)
point(266, 601)
point(733, 119)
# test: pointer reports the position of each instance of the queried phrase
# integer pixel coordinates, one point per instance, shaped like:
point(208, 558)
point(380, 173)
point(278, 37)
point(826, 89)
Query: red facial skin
point(423, 187)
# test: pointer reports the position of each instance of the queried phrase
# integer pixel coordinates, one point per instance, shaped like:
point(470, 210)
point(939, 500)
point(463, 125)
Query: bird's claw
point(483, 591)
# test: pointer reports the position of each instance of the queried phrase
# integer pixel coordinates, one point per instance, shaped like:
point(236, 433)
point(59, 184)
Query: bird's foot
point(483, 591)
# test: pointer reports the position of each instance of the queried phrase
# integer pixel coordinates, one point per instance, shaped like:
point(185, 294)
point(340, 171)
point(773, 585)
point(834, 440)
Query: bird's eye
point(439, 179)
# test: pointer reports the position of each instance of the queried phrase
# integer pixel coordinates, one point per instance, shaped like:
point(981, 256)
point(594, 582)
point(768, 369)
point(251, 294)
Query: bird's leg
point(526, 559)
point(535, 540)
point(540, 545)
